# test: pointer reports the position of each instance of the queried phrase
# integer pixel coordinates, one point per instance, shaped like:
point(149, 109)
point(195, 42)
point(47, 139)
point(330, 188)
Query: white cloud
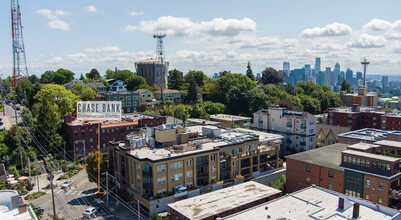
point(136, 13)
point(330, 30)
point(77, 55)
point(90, 8)
point(184, 26)
point(368, 41)
point(377, 25)
point(61, 13)
point(55, 60)
point(394, 32)
point(55, 22)
point(111, 49)
point(228, 27)
point(59, 24)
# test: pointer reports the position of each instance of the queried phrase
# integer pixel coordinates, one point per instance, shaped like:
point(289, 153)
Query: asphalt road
point(8, 118)
point(71, 203)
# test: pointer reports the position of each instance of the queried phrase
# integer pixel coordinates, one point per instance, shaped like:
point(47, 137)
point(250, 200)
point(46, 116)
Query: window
point(128, 98)
point(161, 191)
point(138, 166)
point(161, 180)
point(176, 177)
point(103, 131)
point(176, 165)
point(128, 104)
point(307, 168)
point(367, 196)
point(91, 140)
point(380, 186)
point(331, 173)
point(345, 159)
point(114, 98)
point(235, 163)
point(189, 162)
point(76, 142)
point(104, 145)
point(380, 200)
point(388, 167)
point(121, 98)
point(307, 180)
point(128, 109)
point(138, 178)
point(189, 173)
point(161, 168)
point(330, 186)
point(213, 157)
point(213, 168)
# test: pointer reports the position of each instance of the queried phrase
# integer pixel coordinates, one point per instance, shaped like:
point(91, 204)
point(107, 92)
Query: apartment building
point(353, 170)
point(214, 155)
point(363, 98)
point(299, 128)
point(83, 135)
point(131, 100)
point(231, 121)
point(317, 203)
point(168, 94)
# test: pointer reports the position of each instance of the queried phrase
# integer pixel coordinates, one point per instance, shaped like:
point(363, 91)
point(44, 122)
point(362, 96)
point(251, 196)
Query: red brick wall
point(373, 189)
point(296, 177)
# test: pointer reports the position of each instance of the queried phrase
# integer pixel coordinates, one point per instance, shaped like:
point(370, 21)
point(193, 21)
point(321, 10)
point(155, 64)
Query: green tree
point(345, 86)
point(68, 75)
point(213, 107)
point(47, 76)
point(238, 102)
point(77, 88)
point(271, 76)
point(88, 94)
point(193, 90)
point(119, 74)
point(249, 72)
point(49, 121)
point(59, 78)
point(65, 100)
point(199, 112)
point(82, 77)
point(135, 82)
point(175, 79)
point(93, 74)
point(198, 76)
point(310, 104)
point(257, 100)
point(92, 166)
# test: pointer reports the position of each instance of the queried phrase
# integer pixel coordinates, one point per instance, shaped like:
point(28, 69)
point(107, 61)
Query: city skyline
point(81, 35)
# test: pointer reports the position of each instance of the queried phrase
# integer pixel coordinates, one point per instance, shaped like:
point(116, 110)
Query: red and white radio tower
point(20, 69)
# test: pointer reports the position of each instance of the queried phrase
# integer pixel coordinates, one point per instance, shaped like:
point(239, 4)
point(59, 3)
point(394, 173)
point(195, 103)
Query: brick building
point(363, 98)
point(83, 135)
point(356, 117)
point(353, 170)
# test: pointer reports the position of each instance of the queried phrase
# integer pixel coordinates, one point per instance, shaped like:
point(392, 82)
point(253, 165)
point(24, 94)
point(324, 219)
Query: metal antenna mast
point(160, 66)
point(159, 46)
point(20, 68)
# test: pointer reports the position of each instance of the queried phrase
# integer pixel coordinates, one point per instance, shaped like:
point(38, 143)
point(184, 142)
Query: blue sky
point(205, 35)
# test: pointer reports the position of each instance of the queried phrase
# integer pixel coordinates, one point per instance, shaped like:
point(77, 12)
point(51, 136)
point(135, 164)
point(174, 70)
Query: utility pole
point(107, 188)
point(84, 151)
point(19, 141)
point(51, 177)
point(29, 169)
point(64, 148)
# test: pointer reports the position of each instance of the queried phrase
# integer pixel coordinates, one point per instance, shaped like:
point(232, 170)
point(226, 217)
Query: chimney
point(355, 213)
point(341, 203)
point(22, 208)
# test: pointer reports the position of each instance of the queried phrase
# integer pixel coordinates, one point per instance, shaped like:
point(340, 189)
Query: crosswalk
point(69, 192)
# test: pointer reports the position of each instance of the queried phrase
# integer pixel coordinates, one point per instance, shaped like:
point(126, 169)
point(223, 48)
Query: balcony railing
point(148, 173)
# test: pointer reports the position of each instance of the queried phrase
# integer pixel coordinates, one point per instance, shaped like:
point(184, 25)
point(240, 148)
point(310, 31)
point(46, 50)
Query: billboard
point(99, 110)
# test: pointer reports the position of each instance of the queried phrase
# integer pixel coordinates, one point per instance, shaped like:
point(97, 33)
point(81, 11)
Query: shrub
point(72, 166)
point(29, 186)
point(34, 195)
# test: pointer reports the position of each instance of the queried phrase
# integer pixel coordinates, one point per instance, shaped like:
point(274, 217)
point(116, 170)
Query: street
point(9, 118)
point(71, 203)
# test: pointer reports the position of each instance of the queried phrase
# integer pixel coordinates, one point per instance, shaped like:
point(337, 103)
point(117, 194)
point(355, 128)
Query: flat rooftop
point(362, 146)
point(373, 156)
point(361, 109)
point(203, 121)
point(315, 203)
point(225, 117)
point(328, 156)
point(366, 134)
point(6, 209)
point(263, 136)
point(396, 144)
point(219, 201)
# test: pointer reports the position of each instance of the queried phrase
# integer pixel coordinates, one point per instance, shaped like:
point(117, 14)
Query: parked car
point(89, 212)
point(67, 184)
point(39, 209)
point(17, 108)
